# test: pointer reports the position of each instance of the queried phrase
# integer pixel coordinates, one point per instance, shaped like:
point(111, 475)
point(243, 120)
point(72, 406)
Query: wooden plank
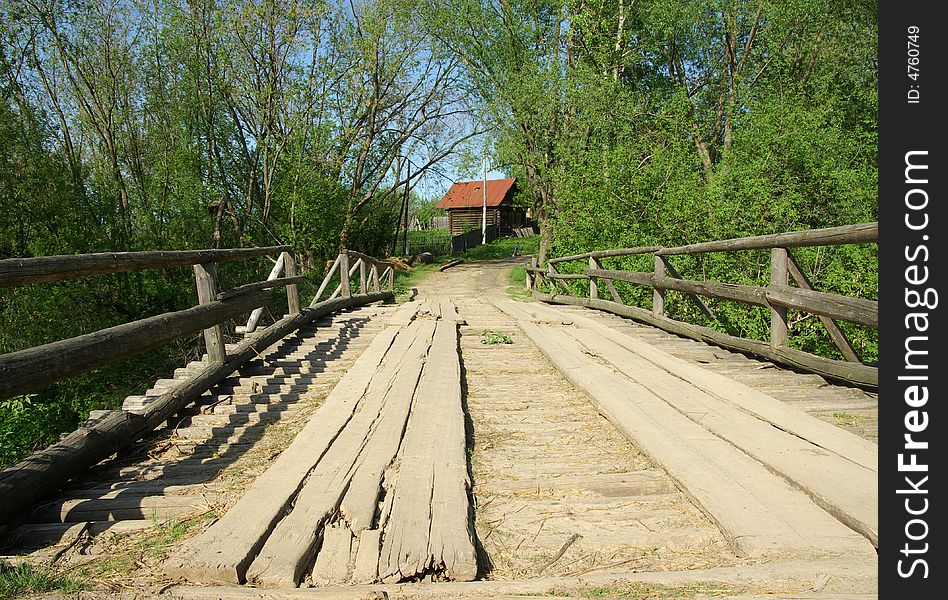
point(608, 485)
point(290, 546)
point(448, 311)
point(369, 259)
point(366, 568)
point(32, 368)
point(778, 280)
point(759, 513)
point(223, 552)
point(847, 234)
point(37, 535)
point(568, 276)
point(593, 281)
point(763, 406)
point(861, 375)
point(429, 527)
point(20, 271)
point(360, 503)
point(332, 562)
point(451, 263)
point(405, 314)
point(345, 272)
point(658, 294)
point(836, 334)
point(292, 290)
point(205, 279)
point(119, 508)
point(846, 490)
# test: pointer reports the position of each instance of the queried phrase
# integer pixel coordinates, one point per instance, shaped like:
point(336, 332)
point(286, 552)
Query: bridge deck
point(681, 480)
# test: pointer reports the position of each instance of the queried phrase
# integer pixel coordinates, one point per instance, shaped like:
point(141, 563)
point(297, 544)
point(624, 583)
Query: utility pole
point(407, 183)
point(484, 215)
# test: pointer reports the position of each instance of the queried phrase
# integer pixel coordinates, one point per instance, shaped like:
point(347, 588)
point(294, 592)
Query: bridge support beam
point(205, 278)
point(779, 278)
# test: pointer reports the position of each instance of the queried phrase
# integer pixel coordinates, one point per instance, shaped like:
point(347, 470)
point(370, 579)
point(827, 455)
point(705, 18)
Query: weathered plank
point(759, 512)
point(290, 545)
point(429, 529)
point(19, 271)
point(366, 568)
point(223, 552)
point(361, 499)
point(846, 490)
point(862, 375)
point(448, 311)
point(332, 562)
point(779, 414)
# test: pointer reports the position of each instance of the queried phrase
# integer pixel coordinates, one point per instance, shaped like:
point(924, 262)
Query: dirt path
point(559, 491)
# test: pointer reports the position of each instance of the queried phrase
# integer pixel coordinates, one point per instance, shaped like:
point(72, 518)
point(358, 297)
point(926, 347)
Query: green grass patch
point(493, 337)
point(502, 248)
point(162, 535)
point(23, 579)
point(517, 278)
point(406, 280)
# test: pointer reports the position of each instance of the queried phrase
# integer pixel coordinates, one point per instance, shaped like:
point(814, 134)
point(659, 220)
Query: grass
point(846, 419)
point(517, 278)
point(493, 337)
point(502, 248)
point(405, 280)
point(23, 579)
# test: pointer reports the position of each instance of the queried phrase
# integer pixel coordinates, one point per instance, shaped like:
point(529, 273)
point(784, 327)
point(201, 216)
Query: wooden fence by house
point(778, 296)
point(29, 369)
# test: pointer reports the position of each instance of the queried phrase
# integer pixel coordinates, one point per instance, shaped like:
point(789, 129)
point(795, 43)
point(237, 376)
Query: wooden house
point(465, 204)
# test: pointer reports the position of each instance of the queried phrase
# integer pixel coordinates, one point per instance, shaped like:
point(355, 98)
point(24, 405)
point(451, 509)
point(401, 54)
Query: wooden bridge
point(454, 445)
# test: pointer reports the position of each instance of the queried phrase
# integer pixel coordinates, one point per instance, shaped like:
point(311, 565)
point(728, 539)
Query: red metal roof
point(469, 194)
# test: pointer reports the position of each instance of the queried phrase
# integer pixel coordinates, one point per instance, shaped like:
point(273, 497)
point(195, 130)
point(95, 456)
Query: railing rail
point(778, 296)
point(25, 482)
point(29, 369)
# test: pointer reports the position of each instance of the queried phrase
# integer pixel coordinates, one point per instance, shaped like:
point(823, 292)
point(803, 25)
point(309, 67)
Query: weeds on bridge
point(493, 337)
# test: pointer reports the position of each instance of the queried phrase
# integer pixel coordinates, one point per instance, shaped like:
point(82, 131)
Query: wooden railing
point(32, 368)
point(778, 296)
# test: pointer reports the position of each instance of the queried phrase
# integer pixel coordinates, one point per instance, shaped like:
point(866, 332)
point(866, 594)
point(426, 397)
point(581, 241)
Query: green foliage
point(23, 579)
point(493, 337)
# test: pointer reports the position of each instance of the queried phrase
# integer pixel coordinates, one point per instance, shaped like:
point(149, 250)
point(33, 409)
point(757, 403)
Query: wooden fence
point(26, 370)
point(778, 296)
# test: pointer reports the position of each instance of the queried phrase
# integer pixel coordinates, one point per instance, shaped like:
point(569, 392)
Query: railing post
point(292, 290)
point(778, 279)
point(374, 278)
point(550, 269)
point(593, 281)
point(344, 290)
point(362, 288)
point(658, 294)
point(205, 279)
point(391, 279)
point(530, 280)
